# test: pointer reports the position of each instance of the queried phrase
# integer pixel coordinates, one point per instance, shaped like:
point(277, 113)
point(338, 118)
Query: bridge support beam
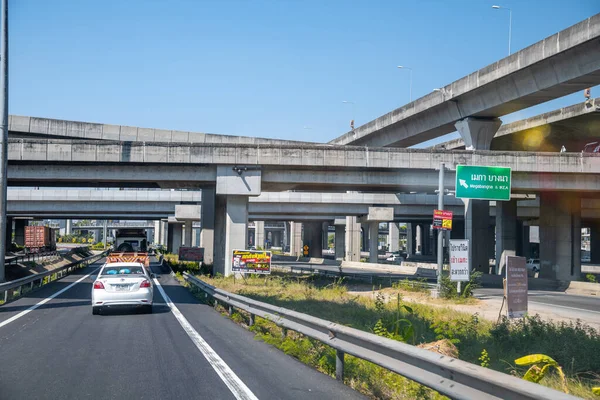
point(352, 239)
point(477, 231)
point(339, 241)
point(69, 227)
point(595, 242)
point(373, 241)
point(207, 221)
point(188, 233)
point(259, 234)
point(20, 225)
point(313, 237)
point(506, 233)
point(478, 133)
point(393, 237)
point(175, 237)
point(560, 236)
point(296, 238)
point(231, 230)
point(410, 239)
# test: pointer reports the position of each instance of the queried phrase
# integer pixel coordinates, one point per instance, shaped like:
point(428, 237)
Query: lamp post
point(411, 71)
point(509, 23)
point(4, 133)
point(352, 103)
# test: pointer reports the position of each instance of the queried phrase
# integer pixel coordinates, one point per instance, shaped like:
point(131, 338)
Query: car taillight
point(98, 285)
point(145, 283)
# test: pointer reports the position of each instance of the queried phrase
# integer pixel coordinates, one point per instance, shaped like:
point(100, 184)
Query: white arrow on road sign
point(463, 183)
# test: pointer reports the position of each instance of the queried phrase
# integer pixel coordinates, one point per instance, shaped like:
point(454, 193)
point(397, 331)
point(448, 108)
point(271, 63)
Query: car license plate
point(121, 288)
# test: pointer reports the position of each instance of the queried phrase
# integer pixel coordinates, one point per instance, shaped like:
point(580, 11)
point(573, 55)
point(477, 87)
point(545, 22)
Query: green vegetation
point(449, 289)
point(591, 278)
point(493, 345)
point(540, 365)
point(191, 267)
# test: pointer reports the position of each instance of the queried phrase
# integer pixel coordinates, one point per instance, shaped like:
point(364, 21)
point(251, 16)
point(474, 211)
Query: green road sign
point(485, 183)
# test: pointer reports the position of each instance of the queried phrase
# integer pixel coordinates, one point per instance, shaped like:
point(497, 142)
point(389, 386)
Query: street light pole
point(440, 244)
point(509, 23)
point(410, 87)
point(4, 133)
point(353, 110)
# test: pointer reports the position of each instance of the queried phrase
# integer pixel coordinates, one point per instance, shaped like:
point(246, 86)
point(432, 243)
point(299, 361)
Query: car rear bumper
point(138, 298)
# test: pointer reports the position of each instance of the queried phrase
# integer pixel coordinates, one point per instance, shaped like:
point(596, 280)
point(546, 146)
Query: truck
point(39, 239)
point(130, 240)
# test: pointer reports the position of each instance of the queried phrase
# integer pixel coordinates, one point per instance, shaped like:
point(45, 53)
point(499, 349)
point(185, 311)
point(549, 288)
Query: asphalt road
point(556, 299)
point(60, 351)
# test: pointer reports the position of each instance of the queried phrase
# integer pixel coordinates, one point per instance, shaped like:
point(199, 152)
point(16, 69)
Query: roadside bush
point(449, 289)
point(591, 278)
point(187, 266)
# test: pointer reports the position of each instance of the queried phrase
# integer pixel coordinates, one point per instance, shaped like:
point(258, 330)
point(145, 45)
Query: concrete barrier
point(584, 288)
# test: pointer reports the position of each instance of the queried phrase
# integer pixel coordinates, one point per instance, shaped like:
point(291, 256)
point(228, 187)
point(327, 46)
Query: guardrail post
point(251, 322)
point(230, 311)
point(283, 333)
point(339, 365)
point(216, 304)
point(5, 296)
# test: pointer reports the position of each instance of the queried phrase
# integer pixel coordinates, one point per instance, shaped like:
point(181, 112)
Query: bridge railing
point(14, 289)
point(449, 376)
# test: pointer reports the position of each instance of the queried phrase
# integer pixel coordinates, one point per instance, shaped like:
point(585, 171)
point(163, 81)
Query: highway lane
point(557, 299)
point(60, 350)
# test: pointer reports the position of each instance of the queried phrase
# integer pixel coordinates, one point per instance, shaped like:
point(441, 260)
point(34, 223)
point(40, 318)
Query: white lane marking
point(233, 382)
point(33, 307)
point(568, 308)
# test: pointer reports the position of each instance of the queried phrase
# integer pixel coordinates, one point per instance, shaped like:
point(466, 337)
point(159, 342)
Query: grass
point(576, 347)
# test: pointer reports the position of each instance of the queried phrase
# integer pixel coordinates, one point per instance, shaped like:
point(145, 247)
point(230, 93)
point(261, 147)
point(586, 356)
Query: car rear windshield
point(133, 270)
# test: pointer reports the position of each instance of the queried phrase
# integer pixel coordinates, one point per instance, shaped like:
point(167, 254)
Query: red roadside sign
point(442, 220)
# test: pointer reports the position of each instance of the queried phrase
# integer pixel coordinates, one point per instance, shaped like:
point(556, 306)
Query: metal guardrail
point(449, 376)
point(29, 257)
point(60, 272)
point(370, 278)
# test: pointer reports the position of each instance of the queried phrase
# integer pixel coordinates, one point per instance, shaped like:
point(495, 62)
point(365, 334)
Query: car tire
point(95, 310)
point(536, 270)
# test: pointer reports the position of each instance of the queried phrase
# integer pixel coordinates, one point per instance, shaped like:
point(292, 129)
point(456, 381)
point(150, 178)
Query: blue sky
point(276, 69)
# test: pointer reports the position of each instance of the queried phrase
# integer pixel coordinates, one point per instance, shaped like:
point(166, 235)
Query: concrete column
point(595, 242)
point(506, 233)
point(340, 242)
point(296, 238)
point(69, 227)
point(525, 245)
point(426, 241)
point(277, 238)
point(9, 232)
point(478, 132)
point(393, 236)
point(231, 226)
point(410, 239)
point(373, 241)
point(207, 220)
point(560, 236)
point(175, 237)
point(477, 216)
point(188, 233)
point(157, 232)
point(419, 239)
point(195, 237)
point(105, 232)
point(352, 239)
point(313, 237)
point(458, 229)
point(325, 236)
point(164, 233)
point(20, 225)
point(259, 234)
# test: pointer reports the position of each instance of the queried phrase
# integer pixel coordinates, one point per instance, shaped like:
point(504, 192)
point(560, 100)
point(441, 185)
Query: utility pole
point(440, 245)
point(4, 136)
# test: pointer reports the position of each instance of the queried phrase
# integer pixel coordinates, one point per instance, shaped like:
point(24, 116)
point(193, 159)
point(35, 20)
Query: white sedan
point(122, 285)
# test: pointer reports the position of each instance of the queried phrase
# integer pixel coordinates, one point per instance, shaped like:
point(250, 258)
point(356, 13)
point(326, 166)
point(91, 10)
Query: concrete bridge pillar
point(231, 230)
point(259, 234)
point(410, 239)
point(157, 232)
point(175, 237)
point(207, 221)
point(69, 227)
point(339, 241)
point(20, 225)
point(506, 233)
point(560, 236)
point(393, 236)
point(9, 232)
point(477, 231)
point(419, 239)
point(478, 133)
point(325, 236)
point(188, 233)
point(352, 239)
point(313, 237)
point(296, 239)
point(525, 244)
point(595, 242)
point(373, 241)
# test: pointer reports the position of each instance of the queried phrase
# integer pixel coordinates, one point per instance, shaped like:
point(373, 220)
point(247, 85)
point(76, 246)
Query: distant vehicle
point(122, 285)
point(130, 240)
point(533, 264)
point(39, 239)
point(586, 258)
point(395, 258)
point(593, 147)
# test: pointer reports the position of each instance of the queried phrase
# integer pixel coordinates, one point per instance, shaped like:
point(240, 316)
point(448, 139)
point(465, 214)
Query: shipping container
point(39, 239)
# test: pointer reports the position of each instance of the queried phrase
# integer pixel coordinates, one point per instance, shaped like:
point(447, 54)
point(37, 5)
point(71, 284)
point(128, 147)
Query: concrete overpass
point(566, 62)
point(573, 127)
